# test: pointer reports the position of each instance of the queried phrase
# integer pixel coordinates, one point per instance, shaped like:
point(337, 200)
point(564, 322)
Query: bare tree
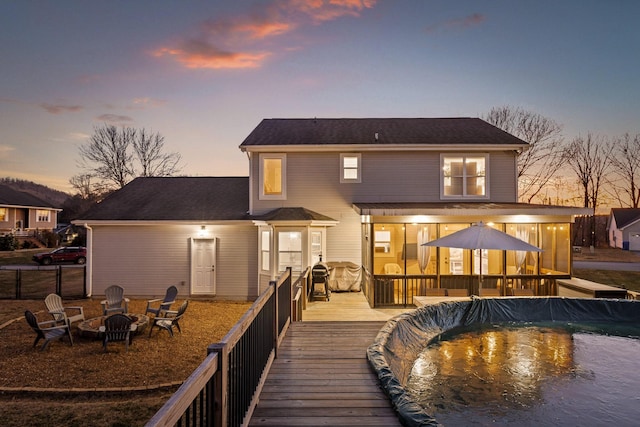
point(116, 156)
point(626, 168)
point(148, 148)
point(590, 160)
point(538, 164)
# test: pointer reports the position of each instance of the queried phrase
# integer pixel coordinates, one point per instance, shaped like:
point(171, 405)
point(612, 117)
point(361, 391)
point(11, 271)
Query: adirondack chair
point(60, 312)
point(117, 327)
point(48, 330)
point(164, 303)
point(115, 301)
point(171, 319)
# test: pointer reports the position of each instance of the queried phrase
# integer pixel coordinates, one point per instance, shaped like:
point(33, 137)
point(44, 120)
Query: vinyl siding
point(147, 259)
point(313, 182)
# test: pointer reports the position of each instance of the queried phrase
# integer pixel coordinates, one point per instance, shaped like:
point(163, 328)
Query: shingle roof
point(429, 131)
point(465, 209)
point(293, 214)
point(625, 216)
point(175, 199)
point(11, 197)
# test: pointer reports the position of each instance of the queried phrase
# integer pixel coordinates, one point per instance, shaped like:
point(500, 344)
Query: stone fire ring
point(94, 327)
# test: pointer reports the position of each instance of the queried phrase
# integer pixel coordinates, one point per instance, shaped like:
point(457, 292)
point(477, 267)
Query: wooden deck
point(348, 306)
point(322, 378)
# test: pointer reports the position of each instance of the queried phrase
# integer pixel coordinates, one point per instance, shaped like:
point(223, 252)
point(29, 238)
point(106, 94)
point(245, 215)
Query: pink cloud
point(200, 54)
point(114, 119)
point(466, 22)
point(239, 41)
point(59, 109)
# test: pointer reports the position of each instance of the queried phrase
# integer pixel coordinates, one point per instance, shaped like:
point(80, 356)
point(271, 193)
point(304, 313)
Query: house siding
point(145, 260)
point(313, 182)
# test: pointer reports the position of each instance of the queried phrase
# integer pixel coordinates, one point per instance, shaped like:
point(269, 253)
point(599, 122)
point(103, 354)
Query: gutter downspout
point(89, 259)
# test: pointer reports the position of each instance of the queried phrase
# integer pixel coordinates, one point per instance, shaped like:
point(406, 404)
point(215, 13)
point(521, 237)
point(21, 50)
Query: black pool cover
point(399, 342)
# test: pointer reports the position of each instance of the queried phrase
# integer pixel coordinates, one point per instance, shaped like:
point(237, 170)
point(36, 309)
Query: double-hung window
point(273, 176)
point(43, 215)
point(464, 176)
point(350, 168)
point(289, 250)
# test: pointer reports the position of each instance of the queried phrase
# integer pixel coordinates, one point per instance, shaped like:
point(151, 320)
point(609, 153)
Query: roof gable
point(11, 197)
point(384, 131)
point(175, 199)
point(625, 216)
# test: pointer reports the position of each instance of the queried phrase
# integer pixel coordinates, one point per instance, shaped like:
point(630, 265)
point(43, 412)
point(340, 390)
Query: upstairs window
point(350, 168)
point(43, 215)
point(273, 176)
point(464, 176)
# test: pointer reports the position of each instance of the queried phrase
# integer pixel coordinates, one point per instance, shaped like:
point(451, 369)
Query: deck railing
point(223, 390)
point(399, 290)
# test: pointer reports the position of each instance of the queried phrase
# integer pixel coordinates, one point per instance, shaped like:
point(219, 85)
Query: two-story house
point(22, 214)
point(363, 191)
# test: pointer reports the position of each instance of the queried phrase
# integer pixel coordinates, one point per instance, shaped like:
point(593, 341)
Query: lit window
point(264, 249)
point(290, 250)
point(350, 166)
point(43, 215)
point(464, 176)
point(273, 176)
point(3, 214)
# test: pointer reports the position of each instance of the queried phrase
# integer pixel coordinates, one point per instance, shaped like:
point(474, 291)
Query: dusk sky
point(205, 73)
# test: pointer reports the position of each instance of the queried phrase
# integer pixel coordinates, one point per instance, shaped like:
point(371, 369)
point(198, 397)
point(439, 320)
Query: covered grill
point(320, 282)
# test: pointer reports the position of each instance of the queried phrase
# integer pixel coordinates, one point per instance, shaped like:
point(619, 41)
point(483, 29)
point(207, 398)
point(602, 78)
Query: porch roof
point(466, 209)
point(295, 215)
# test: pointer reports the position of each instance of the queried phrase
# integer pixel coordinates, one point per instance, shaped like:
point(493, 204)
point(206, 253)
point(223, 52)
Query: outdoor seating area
point(116, 323)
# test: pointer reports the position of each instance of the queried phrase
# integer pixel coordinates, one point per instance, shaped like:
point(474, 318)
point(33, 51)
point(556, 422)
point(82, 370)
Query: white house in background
point(362, 192)
point(623, 228)
point(23, 214)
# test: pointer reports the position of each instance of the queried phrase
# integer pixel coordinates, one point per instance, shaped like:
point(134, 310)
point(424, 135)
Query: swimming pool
point(531, 361)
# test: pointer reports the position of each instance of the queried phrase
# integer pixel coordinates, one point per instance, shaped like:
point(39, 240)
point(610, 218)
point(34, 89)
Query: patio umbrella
point(481, 236)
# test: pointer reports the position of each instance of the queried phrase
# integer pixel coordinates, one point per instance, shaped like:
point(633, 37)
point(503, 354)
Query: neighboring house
point(22, 214)
point(362, 191)
point(623, 228)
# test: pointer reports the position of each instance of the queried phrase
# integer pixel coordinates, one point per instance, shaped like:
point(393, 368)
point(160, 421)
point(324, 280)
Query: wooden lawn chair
point(48, 330)
point(171, 319)
point(60, 312)
point(164, 303)
point(117, 327)
point(115, 301)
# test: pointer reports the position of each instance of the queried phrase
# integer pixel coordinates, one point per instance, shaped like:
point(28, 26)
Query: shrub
point(8, 242)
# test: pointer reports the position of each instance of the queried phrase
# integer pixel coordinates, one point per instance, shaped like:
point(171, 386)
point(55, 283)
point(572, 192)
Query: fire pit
point(94, 327)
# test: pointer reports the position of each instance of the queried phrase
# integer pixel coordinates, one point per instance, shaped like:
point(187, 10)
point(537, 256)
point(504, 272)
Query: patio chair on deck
point(165, 303)
point(489, 292)
point(115, 301)
point(522, 292)
point(48, 330)
point(117, 328)
point(60, 312)
point(458, 292)
point(171, 319)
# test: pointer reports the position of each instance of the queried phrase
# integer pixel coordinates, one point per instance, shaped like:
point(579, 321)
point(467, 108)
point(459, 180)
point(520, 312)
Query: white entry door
point(203, 266)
